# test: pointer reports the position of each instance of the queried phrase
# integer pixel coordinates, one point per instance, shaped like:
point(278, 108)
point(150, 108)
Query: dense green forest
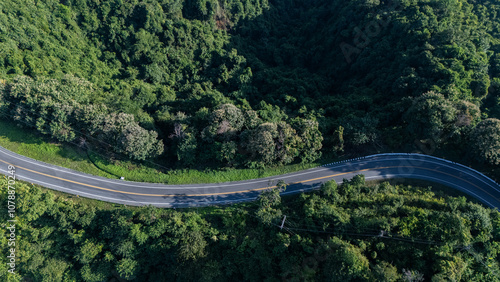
point(254, 83)
point(348, 232)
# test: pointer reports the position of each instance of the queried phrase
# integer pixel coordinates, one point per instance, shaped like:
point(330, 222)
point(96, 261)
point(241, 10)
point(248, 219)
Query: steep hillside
point(254, 83)
point(348, 232)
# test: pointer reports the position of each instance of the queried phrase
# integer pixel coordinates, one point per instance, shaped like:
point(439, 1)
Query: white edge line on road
point(163, 204)
point(231, 184)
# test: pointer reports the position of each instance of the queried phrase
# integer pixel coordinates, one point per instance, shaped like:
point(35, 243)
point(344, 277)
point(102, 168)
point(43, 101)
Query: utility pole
point(283, 222)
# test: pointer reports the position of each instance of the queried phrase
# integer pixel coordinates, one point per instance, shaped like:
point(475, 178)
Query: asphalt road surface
point(376, 167)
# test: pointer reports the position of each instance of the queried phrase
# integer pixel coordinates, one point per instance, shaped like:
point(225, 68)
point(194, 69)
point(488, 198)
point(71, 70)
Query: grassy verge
point(439, 190)
point(141, 173)
point(97, 204)
point(28, 143)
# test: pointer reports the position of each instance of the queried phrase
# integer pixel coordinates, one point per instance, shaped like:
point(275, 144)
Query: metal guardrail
point(419, 155)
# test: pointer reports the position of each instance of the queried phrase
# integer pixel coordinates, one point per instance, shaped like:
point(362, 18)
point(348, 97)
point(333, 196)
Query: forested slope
point(350, 232)
point(254, 83)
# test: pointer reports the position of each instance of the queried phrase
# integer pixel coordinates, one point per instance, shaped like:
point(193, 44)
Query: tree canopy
point(347, 232)
point(251, 83)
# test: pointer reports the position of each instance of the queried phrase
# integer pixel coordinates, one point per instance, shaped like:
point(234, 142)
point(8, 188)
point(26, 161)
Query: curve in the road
point(375, 167)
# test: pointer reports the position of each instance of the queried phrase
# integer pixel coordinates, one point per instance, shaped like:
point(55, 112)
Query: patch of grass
point(99, 205)
point(28, 143)
point(142, 173)
point(439, 190)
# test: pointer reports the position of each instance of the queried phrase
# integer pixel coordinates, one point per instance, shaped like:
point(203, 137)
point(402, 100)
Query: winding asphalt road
point(375, 167)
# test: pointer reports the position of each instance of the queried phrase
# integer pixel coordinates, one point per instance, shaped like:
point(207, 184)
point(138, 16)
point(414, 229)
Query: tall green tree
point(486, 141)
